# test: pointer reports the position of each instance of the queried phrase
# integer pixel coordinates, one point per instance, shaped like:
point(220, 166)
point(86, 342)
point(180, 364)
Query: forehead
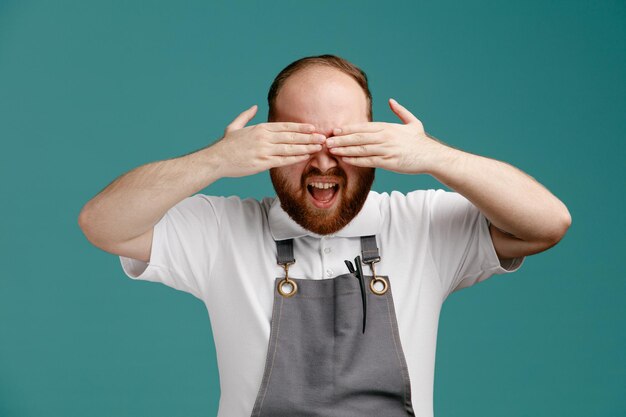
point(325, 97)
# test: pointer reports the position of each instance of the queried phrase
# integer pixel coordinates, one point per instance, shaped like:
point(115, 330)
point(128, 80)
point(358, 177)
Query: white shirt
point(222, 250)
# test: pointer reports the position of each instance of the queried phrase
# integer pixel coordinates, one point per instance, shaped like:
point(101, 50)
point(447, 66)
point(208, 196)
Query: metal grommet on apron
point(320, 360)
point(286, 287)
point(370, 256)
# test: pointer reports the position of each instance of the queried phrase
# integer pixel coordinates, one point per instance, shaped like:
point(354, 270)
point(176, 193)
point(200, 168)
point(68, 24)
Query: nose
point(323, 160)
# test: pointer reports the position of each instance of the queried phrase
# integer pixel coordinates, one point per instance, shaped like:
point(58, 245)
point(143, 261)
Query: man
point(299, 288)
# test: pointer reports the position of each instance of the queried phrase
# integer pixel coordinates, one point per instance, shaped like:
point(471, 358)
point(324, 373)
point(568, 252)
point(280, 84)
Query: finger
point(358, 150)
point(401, 111)
point(366, 161)
point(280, 161)
point(241, 120)
point(354, 139)
point(291, 149)
point(294, 137)
point(358, 127)
point(289, 127)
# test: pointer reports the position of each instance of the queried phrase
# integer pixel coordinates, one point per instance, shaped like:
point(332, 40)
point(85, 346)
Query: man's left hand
point(403, 148)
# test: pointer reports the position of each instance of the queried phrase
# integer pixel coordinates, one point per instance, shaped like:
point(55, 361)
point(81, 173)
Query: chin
point(323, 218)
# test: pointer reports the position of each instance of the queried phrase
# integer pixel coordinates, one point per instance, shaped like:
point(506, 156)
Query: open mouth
point(323, 193)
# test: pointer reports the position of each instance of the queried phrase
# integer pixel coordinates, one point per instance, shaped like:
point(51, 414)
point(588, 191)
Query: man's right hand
point(121, 218)
point(249, 150)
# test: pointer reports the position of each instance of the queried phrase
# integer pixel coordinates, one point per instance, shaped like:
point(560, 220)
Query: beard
point(350, 199)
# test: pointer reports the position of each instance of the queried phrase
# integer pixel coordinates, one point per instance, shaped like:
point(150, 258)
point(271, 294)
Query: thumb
point(241, 120)
point(404, 115)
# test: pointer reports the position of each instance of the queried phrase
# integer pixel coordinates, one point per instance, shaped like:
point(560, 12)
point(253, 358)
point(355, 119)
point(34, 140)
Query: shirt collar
point(367, 222)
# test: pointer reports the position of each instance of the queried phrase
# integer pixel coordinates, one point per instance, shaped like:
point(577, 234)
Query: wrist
point(208, 164)
point(443, 159)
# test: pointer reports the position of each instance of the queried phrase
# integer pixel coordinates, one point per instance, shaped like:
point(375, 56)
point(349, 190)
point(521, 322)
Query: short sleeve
point(460, 242)
point(184, 245)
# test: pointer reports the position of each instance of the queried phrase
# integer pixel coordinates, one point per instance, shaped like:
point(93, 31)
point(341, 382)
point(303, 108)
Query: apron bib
point(334, 347)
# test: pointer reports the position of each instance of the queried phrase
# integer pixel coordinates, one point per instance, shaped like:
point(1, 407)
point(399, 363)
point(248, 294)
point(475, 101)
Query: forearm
point(512, 200)
point(134, 202)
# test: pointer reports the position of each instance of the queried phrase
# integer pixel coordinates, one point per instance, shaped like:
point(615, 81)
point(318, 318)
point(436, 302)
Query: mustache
point(335, 172)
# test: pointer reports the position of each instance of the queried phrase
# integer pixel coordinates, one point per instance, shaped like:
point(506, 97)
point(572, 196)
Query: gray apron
point(334, 347)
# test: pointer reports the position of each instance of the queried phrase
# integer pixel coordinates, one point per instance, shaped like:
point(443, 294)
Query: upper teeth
point(323, 185)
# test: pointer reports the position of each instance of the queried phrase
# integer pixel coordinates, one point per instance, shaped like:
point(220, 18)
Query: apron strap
point(284, 250)
point(369, 249)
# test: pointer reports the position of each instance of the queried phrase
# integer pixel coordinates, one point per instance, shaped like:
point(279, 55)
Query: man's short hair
point(332, 61)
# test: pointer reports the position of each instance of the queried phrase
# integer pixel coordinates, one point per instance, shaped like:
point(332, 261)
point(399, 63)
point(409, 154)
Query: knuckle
point(261, 133)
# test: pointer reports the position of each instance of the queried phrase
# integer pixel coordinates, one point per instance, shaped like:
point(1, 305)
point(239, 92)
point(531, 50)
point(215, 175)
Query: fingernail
point(320, 137)
point(330, 142)
point(337, 130)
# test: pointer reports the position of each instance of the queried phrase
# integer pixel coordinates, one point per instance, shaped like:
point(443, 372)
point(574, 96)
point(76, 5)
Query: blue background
point(90, 90)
